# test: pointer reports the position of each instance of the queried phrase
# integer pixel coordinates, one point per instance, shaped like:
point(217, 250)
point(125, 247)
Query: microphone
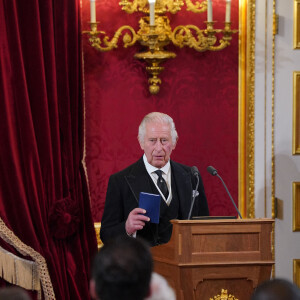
point(195, 172)
point(211, 170)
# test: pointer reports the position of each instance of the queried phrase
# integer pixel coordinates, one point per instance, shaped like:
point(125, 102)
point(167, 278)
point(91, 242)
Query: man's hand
point(136, 220)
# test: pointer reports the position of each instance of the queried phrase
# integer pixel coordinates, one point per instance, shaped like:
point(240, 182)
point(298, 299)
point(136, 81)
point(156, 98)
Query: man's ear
point(141, 144)
point(174, 145)
point(93, 289)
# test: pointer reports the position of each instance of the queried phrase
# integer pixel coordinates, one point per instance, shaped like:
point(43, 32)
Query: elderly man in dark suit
point(154, 173)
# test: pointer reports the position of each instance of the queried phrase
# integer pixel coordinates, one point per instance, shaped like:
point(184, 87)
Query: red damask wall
point(199, 91)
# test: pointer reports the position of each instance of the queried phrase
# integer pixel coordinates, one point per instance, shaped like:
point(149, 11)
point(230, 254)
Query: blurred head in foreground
point(13, 293)
point(122, 270)
point(276, 289)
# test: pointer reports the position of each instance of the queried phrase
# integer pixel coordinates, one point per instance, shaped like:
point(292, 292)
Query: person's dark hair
point(122, 269)
point(276, 289)
point(13, 293)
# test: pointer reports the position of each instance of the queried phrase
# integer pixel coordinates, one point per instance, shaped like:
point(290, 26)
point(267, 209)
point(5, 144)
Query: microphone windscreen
point(194, 170)
point(211, 170)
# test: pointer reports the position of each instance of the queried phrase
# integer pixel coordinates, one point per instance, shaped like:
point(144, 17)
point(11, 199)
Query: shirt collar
point(150, 169)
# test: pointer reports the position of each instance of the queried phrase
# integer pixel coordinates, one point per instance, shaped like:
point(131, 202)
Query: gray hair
point(160, 289)
point(157, 117)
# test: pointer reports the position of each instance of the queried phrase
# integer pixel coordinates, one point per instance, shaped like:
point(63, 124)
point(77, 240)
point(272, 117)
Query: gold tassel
point(7, 266)
point(19, 271)
point(40, 269)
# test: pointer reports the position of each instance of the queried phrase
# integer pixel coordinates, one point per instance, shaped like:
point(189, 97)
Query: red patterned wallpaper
point(199, 91)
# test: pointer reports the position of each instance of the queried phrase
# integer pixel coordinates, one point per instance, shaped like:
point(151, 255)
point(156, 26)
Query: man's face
point(157, 143)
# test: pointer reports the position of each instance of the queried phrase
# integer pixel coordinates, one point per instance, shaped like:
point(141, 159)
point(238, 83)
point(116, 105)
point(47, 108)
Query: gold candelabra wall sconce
point(155, 32)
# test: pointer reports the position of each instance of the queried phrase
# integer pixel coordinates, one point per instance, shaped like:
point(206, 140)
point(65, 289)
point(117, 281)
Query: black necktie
point(161, 183)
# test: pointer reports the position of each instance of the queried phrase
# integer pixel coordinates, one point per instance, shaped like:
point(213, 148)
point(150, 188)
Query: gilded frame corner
point(296, 38)
point(296, 206)
point(296, 272)
point(296, 112)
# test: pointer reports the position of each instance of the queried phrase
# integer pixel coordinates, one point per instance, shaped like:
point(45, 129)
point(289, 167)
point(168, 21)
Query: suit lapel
point(184, 188)
point(138, 179)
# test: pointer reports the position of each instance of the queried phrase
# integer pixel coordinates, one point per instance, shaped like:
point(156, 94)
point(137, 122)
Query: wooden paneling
point(204, 257)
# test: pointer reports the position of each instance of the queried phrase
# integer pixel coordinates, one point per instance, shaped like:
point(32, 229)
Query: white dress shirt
point(166, 174)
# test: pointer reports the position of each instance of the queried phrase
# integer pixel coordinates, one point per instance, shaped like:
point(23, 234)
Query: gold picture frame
point(246, 107)
point(296, 24)
point(296, 206)
point(296, 112)
point(296, 271)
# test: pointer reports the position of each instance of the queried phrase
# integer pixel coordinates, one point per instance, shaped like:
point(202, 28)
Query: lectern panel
point(229, 242)
point(204, 257)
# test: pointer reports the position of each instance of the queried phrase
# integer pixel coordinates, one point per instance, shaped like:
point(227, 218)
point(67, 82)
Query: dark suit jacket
point(125, 186)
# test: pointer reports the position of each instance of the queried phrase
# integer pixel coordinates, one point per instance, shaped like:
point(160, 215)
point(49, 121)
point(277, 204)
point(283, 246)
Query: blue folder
point(151, 203)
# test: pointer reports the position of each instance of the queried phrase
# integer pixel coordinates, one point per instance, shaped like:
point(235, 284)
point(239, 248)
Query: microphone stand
point(194, 196)
point(229, 195)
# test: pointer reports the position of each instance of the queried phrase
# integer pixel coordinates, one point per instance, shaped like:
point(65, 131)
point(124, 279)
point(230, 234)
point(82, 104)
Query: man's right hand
point(136, 220)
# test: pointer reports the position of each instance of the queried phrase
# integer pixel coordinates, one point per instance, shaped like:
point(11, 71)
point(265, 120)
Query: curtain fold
point(43, 192)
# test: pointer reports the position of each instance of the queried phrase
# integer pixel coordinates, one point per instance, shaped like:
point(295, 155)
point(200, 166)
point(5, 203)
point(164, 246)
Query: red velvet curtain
point(43, 192)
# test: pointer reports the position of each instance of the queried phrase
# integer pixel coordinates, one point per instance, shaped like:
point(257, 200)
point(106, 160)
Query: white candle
point(209, 11)
point(152, 12)
point(93, 10)
point(228, 6)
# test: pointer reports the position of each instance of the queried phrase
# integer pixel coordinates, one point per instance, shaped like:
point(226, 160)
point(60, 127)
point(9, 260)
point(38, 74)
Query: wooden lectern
point(205, 257)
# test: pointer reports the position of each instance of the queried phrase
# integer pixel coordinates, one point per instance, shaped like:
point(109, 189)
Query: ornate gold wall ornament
point(296, 43)
point(296, 206)
point(160, 34)
point(296, 271)
point(97, 226)
point(224, 296)
point(296, 112)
